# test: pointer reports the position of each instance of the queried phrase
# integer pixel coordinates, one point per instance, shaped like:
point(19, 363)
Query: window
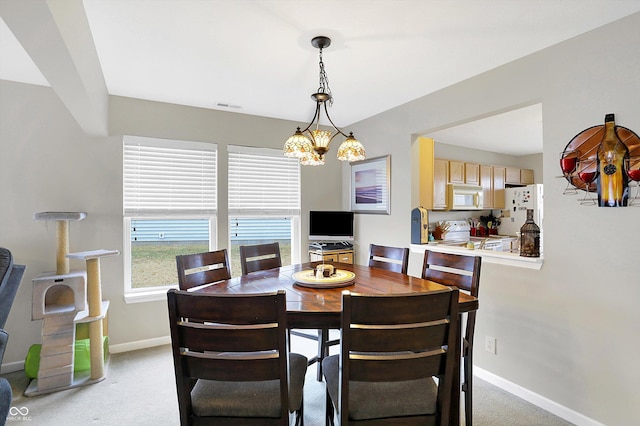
point(170, 206)
point(264, 202)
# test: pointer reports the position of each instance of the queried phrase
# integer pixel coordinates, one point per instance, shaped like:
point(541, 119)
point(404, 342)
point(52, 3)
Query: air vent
point(227, 105)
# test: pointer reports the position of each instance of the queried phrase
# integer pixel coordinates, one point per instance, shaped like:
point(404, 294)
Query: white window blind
point(168, 177)
point(263, 182)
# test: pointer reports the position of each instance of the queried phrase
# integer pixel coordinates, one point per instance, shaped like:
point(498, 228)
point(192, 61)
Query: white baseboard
point(140, 344)
point(535, 399)
point(11, 367)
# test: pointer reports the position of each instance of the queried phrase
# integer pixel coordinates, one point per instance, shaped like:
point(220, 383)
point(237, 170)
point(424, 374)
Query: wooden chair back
point(394, 259)
point(459, 271)
point(260, 257)
point(228, 338)
point(399, 338)
point(202, 268)
point(462, 272)
point(453, 270)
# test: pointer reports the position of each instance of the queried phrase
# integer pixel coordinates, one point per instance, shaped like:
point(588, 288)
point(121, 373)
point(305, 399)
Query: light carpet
point(140, 390)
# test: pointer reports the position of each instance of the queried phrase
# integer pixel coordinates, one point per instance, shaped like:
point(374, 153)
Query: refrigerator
point(517, 202)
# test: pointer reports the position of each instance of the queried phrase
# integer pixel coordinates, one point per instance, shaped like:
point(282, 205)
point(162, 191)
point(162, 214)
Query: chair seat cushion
point(249, 399)
point(382, 399)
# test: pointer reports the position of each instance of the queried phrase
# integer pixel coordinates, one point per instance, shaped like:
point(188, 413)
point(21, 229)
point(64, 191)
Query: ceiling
point(255, 57)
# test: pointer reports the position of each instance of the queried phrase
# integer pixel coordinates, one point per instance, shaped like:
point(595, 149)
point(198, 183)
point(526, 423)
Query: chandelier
point(311, 144)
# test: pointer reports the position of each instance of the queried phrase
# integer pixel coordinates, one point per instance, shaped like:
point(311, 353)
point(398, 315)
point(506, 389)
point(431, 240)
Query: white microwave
point(464, 197)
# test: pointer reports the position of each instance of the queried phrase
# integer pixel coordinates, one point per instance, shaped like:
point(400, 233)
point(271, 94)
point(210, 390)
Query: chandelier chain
point(324, 81)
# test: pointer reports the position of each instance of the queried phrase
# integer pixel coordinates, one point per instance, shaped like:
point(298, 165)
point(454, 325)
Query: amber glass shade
point(312, 159)
point(298, 145)
point(351, 150)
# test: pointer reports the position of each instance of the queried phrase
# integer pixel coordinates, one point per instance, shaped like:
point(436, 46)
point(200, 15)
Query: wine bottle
point(613, 182)
point(530, 237)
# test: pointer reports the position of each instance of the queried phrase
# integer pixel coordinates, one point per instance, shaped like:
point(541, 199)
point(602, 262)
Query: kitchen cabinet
point(456, 171)
point(516, 176)
point(342, 256)
point(526, 176)
point(472, 173)
point(499, 178)
point(486, 182)
point(433, 174)
point(440, 172)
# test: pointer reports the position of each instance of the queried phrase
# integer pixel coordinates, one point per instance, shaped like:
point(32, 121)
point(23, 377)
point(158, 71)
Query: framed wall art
point(371, 185)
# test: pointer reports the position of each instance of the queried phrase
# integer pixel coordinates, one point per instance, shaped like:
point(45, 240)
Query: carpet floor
point(140, 390)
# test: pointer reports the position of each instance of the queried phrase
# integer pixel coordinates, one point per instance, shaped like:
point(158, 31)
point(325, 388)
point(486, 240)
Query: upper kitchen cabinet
point(456, 171)
point(486, 181)
point(526, 177)
point(472, 173)
point(516, 176)
point(461, 172)
point(440, 173)
point(499, 178)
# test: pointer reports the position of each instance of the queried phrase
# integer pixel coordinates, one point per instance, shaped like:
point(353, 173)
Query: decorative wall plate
point(587, 142)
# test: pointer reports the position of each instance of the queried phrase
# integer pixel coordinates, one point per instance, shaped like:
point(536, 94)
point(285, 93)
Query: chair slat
point(394, 259)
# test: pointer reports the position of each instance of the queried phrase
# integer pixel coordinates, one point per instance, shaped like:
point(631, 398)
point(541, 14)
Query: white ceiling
point(256, 55)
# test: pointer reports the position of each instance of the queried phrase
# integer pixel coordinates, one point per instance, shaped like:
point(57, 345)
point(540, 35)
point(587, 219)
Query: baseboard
point(11, 367)
point(535, 399)
point(139, 344)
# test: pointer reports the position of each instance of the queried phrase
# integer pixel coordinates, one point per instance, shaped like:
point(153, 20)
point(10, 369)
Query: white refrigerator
point(517, 202)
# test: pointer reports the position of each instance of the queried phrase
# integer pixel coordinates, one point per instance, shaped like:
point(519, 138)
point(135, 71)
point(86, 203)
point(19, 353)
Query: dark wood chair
point(267, 256)
point(230, 359)
point(260, 257)
point(462, 272)
point(394, 259)
point(202, 268)
point(392, 348)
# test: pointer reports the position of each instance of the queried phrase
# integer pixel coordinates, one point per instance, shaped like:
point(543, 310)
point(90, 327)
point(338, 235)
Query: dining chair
point(230, 359)
point(260, 257)
point(392, 348)
point(462, 272)
point(394, 259)
point(202, 268)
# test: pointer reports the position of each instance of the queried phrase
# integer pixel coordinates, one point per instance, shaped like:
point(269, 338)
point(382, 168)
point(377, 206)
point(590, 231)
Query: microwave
point(464, 197)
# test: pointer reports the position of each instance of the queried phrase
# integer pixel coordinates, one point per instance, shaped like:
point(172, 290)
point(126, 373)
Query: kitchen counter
point(488, 256)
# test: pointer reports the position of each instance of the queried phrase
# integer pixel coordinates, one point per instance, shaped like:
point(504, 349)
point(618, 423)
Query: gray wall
point(567, 332)
point(49, 164)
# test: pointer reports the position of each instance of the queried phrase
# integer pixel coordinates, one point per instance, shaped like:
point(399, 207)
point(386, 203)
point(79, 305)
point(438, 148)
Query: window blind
point(168, 177)
point(263, 182)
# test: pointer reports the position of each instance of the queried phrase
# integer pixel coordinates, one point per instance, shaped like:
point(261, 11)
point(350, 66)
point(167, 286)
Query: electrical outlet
point(490, 344)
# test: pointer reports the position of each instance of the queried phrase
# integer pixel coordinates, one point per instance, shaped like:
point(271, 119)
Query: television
point(331, 226)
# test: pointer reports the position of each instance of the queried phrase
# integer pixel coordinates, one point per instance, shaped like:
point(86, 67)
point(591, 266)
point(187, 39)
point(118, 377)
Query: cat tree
point(60, 300)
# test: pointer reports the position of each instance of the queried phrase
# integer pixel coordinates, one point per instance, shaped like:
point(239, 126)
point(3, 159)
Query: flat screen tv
point(330, 226)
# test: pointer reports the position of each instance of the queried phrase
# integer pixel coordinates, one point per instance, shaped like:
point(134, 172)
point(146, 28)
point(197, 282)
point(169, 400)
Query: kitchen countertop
point(488, 256)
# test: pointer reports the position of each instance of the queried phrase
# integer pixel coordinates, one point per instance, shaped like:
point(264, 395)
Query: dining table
point(319, 307)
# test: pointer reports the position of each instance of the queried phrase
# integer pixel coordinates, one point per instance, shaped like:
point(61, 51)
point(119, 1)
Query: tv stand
point(331, 252)
point(330, 245)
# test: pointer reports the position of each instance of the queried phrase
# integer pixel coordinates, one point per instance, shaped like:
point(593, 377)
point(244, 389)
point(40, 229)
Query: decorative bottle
point(613, 182)
point(530, 237)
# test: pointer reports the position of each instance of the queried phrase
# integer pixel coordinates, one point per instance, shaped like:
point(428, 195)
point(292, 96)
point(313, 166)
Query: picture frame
point(371, 185)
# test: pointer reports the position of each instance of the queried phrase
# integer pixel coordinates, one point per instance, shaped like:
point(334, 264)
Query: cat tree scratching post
point(60, 300)
point(97, 307)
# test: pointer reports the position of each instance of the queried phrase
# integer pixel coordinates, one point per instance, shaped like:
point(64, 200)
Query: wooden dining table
point(320, 308)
